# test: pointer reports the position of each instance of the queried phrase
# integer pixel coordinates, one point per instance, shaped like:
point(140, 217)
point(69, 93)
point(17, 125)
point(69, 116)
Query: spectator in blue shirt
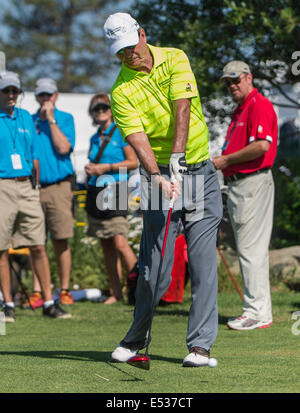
point(21, 215)
point(110, 226)
point(56, 141)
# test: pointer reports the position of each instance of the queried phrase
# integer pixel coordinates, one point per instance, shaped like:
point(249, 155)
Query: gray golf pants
point(200, 210)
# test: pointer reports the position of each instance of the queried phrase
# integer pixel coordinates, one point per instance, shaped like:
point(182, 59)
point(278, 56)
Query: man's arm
point(252, 151)
point(60, 141)
point(182, 110)
point(36, 167)
point(140, 143)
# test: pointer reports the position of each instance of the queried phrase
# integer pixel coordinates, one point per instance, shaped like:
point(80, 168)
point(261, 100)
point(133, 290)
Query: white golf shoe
point(244, 322)
point(198, 357)
point(122, 354)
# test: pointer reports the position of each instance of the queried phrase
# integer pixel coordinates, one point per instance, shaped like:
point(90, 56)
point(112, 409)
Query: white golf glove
point(176, 167)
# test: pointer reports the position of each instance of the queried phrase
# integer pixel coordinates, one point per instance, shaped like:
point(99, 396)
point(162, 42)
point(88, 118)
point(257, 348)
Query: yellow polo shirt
point(142, 102)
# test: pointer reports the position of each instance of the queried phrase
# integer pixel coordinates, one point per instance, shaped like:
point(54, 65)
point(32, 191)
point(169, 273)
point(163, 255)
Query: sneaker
point(122, 354)
point(244, 322)
point(35, 299)
point(9, 314)
point(66, 297)
point(198, 357)
point(54, 311)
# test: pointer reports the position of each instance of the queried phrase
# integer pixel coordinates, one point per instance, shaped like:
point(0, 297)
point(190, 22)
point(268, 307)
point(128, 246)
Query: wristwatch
point(37, 186)
point(53, 121)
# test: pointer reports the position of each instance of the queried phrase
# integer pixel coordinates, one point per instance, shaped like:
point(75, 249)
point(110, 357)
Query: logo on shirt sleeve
point(188, 87)
point(260, 129)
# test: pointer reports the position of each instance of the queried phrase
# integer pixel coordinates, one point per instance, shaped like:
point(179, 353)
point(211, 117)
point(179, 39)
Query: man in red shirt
point(246, 161)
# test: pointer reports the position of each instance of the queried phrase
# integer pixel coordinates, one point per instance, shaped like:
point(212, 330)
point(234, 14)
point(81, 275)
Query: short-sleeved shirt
point(143, 102)
point(113, 153)
point(18, 144)
point(54, 166)
point(253, 120)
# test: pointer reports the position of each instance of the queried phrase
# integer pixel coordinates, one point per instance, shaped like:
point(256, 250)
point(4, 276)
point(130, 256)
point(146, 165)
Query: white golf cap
point(9, 79)
point(45, 85)
point(121, 30)
point(235, 69)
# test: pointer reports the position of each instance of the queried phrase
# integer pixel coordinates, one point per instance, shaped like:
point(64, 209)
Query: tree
point(212, 32)
point(62, 39)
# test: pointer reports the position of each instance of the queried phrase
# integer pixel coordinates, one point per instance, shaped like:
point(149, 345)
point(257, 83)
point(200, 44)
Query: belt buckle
point(232, 178)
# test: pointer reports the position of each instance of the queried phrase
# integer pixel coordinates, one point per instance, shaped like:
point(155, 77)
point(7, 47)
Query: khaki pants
point(21, 216)
point(56, 203)
point(250, 206)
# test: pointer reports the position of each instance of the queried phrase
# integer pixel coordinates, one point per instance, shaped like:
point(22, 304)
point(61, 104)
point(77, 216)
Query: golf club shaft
point(230, 274)
point(159, 270)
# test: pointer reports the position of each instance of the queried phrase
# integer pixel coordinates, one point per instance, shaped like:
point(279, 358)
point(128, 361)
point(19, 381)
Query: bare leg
point(41, 268)
point(36, 283)
point(63, 260)
point(113, 269)
point(5, 276)
point(126, 253)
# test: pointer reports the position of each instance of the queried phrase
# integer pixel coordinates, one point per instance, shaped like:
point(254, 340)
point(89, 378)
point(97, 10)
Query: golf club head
point(140, 361)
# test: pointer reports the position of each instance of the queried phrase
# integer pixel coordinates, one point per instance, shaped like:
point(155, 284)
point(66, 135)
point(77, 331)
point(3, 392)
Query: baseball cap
point(121, 30)
point(235, 69)
point(45, 85)
point(9, 79)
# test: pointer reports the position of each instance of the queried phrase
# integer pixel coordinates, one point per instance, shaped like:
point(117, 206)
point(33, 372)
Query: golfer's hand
point(177, 166)
point(168, 188)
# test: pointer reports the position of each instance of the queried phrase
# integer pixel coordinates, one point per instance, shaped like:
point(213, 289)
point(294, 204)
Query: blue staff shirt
point(54, 166)
point(17, 136)
point(113, 153)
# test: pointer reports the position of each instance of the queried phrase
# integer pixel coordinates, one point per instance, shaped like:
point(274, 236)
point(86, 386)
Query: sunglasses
point(122, 51)
point(234, 81)
point(12, 90)
point(100, 106)
point(45, 95)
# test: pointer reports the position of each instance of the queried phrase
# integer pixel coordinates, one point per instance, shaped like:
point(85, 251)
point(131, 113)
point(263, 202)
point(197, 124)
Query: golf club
point(230, 274)
point(142, 361)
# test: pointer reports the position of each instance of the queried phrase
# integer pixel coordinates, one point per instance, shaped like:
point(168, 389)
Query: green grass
point(40, 355)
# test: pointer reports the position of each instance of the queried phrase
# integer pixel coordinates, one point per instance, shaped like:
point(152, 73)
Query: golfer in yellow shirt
point(156, 106)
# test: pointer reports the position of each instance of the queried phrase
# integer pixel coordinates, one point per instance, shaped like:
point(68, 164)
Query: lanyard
point(13, 135)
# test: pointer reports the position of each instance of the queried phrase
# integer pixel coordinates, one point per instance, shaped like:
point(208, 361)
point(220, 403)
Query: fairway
point(40, 355)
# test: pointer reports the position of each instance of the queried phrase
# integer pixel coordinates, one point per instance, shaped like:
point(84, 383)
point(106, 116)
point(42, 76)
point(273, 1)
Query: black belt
point(239, 175)
point(67, 178)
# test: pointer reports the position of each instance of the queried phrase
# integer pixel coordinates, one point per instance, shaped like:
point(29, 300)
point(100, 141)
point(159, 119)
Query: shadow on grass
point(61, 354)
point(96, 356)
point(223, 319)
